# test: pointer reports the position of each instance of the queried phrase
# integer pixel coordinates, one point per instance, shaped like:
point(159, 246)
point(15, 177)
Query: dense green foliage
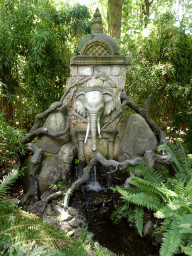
point(10, 140)
point(162, 65)
point(169, 197)
point(36, 41)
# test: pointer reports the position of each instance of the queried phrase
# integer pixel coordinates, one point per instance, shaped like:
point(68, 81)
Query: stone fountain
point(91, 122)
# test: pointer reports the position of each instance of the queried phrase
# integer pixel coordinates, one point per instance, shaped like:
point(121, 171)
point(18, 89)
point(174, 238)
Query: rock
point(127, 184)
point(73, 211)
point(58, 209)
point(64, 226)
point(137, 138)
point(48, 210)
point(67, 152)
point(50, 219)
point(96, 245)
point(65, 169)
point(148, 228)
point(74, 232)
point(77, 222)
point(77, 231)
point(46, 194)
point(70, 233)
point(49, 172)
point(88, 238)
point(102, 248)
point(159, 237)
point(64, 216)
point(55, 122)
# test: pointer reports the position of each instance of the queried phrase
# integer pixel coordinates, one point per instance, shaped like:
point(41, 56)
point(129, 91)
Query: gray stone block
point(67, 152)
point(49, 172)
point(73, 71)
point(137, 138)
point(85, 71)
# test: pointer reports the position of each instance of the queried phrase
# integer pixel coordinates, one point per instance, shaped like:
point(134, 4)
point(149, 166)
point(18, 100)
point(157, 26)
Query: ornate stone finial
point(97, 25)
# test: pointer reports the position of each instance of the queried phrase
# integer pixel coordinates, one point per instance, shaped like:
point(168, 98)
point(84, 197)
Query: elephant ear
point(109, 103)
point(79, 104)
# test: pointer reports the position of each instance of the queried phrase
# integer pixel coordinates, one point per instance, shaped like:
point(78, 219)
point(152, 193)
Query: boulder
point(137, 138)
point(50, 172)
point(53, 168)
point(148, 228)
point(55, 122)
point(67, 152)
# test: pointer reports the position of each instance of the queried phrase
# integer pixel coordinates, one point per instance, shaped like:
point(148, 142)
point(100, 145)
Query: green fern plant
point(7, 181)
point(170, 198)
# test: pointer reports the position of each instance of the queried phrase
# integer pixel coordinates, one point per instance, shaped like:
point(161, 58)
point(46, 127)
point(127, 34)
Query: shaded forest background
point(37, 39)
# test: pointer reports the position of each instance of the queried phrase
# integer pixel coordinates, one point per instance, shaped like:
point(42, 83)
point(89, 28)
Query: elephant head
point(93, 104)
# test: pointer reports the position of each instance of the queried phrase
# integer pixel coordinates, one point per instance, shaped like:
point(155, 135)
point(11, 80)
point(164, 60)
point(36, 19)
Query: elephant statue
point(93, 104)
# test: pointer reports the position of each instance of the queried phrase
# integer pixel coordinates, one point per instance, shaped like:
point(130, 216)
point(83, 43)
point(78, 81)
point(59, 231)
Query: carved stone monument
point(93, 102)
point(90, 120)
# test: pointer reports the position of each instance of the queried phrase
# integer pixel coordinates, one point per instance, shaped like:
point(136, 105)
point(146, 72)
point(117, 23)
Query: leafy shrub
point(10, 140)
point(170, 198)
point(188, 141)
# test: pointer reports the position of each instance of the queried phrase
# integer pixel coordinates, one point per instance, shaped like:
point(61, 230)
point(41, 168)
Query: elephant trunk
point(93, 120)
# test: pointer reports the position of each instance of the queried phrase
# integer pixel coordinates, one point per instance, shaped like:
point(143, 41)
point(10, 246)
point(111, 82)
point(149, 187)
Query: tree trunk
point(114, 14)
point(146, 10)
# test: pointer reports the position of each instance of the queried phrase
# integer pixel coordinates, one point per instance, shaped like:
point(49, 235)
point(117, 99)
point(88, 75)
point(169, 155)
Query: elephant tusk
point(87, 132)
point(98, 126)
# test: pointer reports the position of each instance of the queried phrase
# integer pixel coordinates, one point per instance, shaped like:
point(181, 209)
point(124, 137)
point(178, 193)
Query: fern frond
point(139, 213)
point(141, 199)
point(121, 211)
point(7, 181)
point(181, 162)
point(153, 187)
point(178, 186)
point(172, 240)
point(188, 189)
point(185, 224)
point(164, 213)
point(149, 174)
point(187, 249)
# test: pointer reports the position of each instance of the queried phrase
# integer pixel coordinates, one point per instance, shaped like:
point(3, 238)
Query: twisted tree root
point(98, 158)
point(148, 159)
point(35, 162)
point(49, 198)
point(126, 101)
point(39, 117)
point(44, 131)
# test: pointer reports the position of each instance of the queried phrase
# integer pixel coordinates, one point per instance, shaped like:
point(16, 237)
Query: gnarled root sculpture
point(149, 158)
point(35, 162)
